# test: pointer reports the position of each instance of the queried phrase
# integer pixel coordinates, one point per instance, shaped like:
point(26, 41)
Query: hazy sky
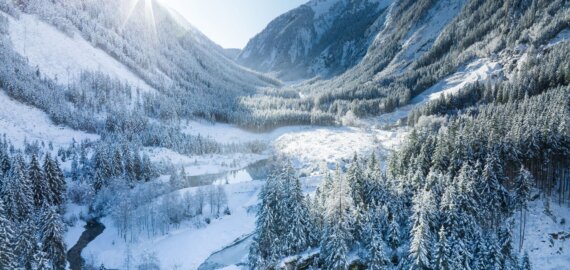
point(231, 23)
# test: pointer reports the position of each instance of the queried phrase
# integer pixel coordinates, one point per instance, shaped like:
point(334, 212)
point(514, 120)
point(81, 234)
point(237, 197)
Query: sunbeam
point(149, 15)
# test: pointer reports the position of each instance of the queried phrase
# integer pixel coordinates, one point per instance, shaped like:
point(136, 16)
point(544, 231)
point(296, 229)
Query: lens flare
point(131, 6)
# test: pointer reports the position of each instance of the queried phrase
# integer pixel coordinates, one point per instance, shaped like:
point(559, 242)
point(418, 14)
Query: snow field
point(546, 252)
point(200, 165)
point(22, 123)
point(63, 58)
point(188, 246)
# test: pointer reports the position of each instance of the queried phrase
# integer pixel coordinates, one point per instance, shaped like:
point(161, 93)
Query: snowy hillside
point(66, 57)
point(410, 134)
point(21, 123)
point(320, 38)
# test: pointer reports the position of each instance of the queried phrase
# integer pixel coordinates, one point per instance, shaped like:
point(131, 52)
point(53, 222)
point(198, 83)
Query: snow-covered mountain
point(141, 43)
point(320, 38)
point(418, 45)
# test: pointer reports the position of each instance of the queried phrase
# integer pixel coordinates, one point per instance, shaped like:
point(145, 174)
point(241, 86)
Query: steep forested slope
point(457, 195)
point(320, 38)
point(421, 43)
point(191, 75)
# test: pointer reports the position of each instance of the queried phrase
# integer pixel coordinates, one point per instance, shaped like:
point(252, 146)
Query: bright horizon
point(231, 24)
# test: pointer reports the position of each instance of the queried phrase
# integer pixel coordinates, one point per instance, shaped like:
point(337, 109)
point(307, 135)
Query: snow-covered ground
point(205, 164)
point(61, 57)
point(308, 145)
point(563, 36)
point(480, 70)
point(547, 236)
point(186, 247)
point(421, 37)
point(23, 123)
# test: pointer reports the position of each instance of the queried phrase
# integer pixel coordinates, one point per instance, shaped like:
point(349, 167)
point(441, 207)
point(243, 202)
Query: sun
point(149, 16)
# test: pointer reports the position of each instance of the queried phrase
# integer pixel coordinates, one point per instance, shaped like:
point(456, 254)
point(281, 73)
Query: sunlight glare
point(149, 17)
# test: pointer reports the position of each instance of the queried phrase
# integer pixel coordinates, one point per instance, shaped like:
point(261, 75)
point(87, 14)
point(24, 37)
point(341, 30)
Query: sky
point(231, 23)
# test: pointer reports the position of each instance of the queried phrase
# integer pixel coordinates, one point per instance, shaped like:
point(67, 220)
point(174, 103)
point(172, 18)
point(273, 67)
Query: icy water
point(233, 254)
point(254, 171)
point(93, 228)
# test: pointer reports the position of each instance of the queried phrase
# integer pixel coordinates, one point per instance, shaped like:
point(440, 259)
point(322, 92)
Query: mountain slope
point(151, 45)
point(419, 45)
point(320, 38)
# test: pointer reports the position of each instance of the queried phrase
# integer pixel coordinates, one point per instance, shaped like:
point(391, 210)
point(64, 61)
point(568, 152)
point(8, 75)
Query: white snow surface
point(563, 36)
point(205, 164)
point(546, 252)
point(481, 70)
point(188, 246)
point(59, 56)
point(421, 37)
point(307, 145)
point(22, 123)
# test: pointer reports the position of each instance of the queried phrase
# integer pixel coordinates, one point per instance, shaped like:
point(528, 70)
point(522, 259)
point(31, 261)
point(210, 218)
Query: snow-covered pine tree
point(442, 251)
point(7, 236)
point(61, 185)
point(117, 164)
point(377, 257)
point(26, 244)
point(523, 185)
point(394, 234)
point(299, 224)
point(525, 262)
point(337, 235)
point(355, 178)
point(494, 195)
point(265, 250)
point(39, 184)
point(505, 237)
point(75, 171)
point(147, 171)
point(52, 181)
point(18, 192)
point(421, 244)
point(52, 237)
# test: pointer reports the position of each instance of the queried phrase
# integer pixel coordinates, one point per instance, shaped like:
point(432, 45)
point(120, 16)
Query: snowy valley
point(367, 134)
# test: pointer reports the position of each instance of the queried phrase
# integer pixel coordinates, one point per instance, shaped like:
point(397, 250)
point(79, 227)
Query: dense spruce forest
point(32, 196)
point(454, 195)
point(379, 84)
point(451, 198)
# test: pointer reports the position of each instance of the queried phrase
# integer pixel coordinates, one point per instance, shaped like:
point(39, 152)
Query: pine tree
point(18, 193)
point(5, 163)
point(394, 234)
point(41, 261)
point(266, 247)
point(377, 258)
point(52, 237)
point(442, 251)
point(117, 164)
point(75, 171)
point(494, 195)
point(525, 263)
point(422, 236)
point(147, 172)
point(39, 184)
point(7, 235)
point(523, 185)
point(356, 180)
point(299, 236)
point(52, 180)
point(337, 236)
point(138, 166)
point(335, 245)
point(26, 245)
